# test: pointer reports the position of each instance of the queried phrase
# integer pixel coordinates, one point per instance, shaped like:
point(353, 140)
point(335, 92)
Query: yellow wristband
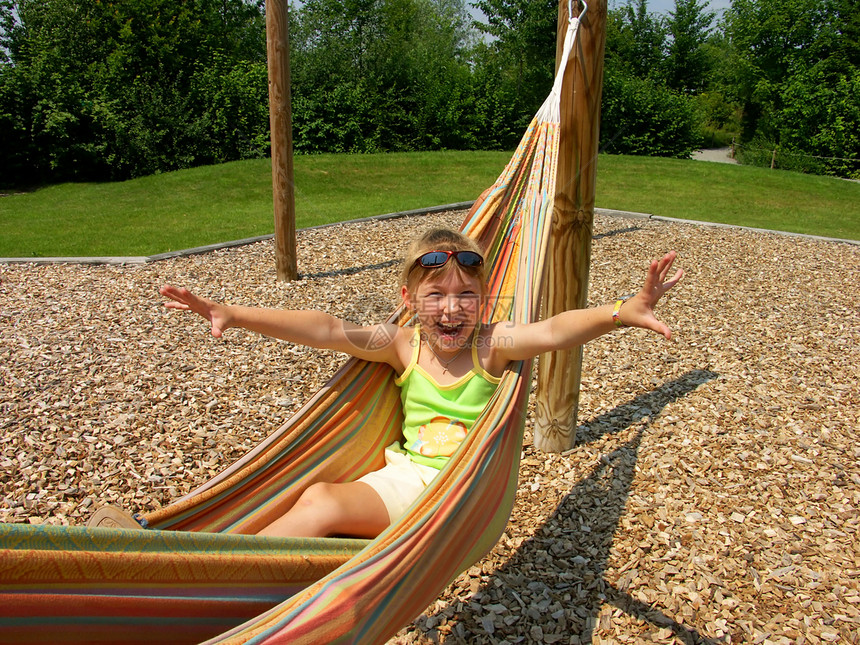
point(617, 311)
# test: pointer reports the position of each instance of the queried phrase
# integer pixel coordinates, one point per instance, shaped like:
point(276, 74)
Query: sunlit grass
point(730, 194)
point(232, 201)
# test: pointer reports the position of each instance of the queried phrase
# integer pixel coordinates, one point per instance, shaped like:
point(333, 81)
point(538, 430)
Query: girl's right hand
point(182, 299)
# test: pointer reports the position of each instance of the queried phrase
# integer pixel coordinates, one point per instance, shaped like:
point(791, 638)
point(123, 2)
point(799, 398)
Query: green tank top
point(437, 417)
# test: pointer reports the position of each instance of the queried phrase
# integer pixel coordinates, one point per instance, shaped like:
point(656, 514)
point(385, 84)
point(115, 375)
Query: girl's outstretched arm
point(579, 326)
point(380, 343)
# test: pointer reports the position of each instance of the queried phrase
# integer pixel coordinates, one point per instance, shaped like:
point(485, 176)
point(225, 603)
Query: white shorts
point(399, 482)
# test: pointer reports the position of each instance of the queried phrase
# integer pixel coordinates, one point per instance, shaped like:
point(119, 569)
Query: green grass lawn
point(231, 201)
point(729, 194)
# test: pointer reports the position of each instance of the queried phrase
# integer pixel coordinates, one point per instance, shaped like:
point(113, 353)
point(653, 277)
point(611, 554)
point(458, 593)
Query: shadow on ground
point(563, 565)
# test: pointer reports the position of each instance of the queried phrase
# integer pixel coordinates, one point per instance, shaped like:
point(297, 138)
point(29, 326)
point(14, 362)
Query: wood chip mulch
point(712, 494)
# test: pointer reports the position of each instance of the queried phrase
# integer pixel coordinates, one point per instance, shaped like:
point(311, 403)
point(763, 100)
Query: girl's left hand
point(639, 310)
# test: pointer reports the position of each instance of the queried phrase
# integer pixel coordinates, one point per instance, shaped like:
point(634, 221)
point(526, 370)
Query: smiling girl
point(448, 366)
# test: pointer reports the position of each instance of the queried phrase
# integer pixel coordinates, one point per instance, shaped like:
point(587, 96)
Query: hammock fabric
point(200, 576)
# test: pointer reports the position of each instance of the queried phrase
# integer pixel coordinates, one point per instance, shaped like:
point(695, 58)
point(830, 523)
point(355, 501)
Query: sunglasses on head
point(436, 259)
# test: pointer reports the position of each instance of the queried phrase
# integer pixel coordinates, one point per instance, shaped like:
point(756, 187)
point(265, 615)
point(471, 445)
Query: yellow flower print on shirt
point(439, 438)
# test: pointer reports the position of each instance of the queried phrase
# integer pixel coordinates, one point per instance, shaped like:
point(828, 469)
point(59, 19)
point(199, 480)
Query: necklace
point(441, 360)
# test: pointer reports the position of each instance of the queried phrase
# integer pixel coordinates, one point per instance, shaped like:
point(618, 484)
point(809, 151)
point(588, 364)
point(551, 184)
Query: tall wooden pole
point(566, 286)
point(280, 123)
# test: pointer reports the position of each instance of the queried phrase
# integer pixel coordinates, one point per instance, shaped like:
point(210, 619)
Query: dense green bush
point(819, 121)
point(389, 76)
point(108, 90)
point(16, 167)
point(640, 116)
point(793, 66)
point(234, 110)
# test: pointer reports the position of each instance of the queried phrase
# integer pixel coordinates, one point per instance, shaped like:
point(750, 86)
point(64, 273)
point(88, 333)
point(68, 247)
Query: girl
point(448, 366)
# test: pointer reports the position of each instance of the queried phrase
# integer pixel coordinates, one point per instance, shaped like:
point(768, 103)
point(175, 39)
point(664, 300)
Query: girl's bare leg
point(352, 508)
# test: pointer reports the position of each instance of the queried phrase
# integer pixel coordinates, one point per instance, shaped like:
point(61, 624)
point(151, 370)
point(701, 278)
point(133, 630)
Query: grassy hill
point(231, 201)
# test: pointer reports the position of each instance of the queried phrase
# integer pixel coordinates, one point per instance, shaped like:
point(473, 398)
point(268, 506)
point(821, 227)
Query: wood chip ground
point(712, 495)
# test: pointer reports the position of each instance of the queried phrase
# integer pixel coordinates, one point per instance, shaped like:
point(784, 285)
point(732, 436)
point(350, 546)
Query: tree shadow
point(349, 270)
point(563, 565)
point(617, 231)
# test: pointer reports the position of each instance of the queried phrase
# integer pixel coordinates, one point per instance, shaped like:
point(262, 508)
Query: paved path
point(720, 155)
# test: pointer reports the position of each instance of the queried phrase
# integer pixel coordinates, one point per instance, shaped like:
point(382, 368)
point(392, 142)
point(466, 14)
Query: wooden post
point(566, 286)
point(280, 123)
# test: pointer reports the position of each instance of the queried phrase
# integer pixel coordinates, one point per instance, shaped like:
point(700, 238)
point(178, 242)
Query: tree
point(642, 115)
point(769, 38)
point(635, 40)
point(794, 68)
point(7, 28)
point(380, 75)
point(687, 62)
point(523, 51)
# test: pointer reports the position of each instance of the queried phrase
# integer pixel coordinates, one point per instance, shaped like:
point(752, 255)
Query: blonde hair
point(439, 239)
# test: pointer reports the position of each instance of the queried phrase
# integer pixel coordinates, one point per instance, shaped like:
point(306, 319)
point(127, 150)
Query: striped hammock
point(203, 576)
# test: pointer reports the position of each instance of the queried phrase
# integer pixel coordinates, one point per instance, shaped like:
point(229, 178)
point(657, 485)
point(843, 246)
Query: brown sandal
point(113, 518)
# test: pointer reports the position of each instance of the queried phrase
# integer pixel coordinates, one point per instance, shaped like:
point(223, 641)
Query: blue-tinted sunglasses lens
point(469, 259)
point(436, 259)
